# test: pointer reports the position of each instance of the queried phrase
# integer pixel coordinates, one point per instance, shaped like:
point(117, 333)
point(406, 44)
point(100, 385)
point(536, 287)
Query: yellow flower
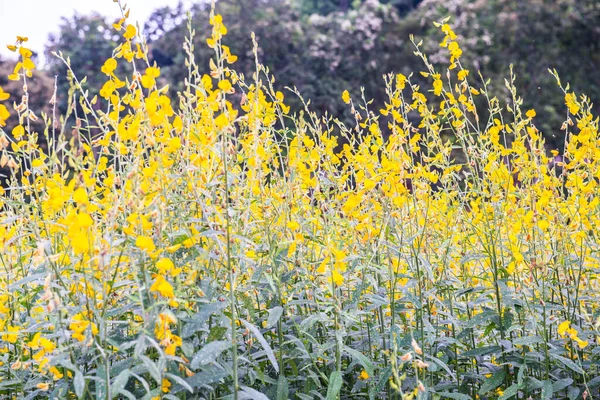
point(145, 243)
point(346, 97)
point(80, 243)
point(562, 327)
point(162, 286)
point(363, 375)
point(531, 113)
point(164, 265)
point(165, 385)
point(438, 85)
point(225, 85)
point(56, 374)
point(18, 132)
point(4, 114)
point(337, 278)
point(109, 66)
point(130, 32)
point(153, 72)
point(43, 386)
point(13, 334)
point(3, 95)
point(571, 102)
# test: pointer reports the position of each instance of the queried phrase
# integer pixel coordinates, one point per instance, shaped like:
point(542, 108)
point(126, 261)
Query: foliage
point(532, 36)
point(323, 52)
point(324, 47)
point(85, 42)
point(186, 247)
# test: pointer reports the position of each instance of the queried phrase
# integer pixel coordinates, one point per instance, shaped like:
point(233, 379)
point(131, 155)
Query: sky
point(37, 18)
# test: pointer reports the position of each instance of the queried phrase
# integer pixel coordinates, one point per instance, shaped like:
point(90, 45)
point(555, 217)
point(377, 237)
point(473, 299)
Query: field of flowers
point(216, 246)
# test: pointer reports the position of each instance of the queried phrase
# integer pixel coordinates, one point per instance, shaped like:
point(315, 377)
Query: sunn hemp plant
point(216, 246)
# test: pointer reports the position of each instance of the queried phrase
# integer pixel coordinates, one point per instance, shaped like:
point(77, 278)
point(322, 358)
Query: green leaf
point(179, 380)
point(362, 359)
point(492, 382)
point(152, 368)
point(547, 390)
point(573, 392)
point(205, 378)
point(282, 388)
point(482, 351)
point(510, 391)
point(385, 376)
point(9, 383)
point(594, 382)
point(263, 342)
point(209, 353)
point(441, 364)
point(521, 374)
point(335, 384)
point(456, 396)
point(481, 319)
point(248, 393)
point(568, 363)
point(216, 333)
point(79, 384)
point(101, 383)
point(200, 319)
point(527, 341)
point(561, 384)
point(119, 383)
point(274, 315)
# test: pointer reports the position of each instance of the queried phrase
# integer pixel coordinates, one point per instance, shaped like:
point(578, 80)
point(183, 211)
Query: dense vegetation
point(323, 47)
point(224, 238)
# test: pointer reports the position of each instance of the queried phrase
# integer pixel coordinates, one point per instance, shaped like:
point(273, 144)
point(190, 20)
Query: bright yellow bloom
point(3, 95)
point(346, 97)
point(165, 385)
point(130, 32)
point(162, 286)
point(145, 243)
point(13, 334)
point(109, 66)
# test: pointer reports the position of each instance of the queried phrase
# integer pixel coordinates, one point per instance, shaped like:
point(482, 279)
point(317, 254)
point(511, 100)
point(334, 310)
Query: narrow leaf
point(209, 353)
point(492, 382)
point(250, 394)
point(335, 384)
point(263, 343)
point(119, 383)
point(362, 359)
point(547, 390)
point(274, 315)
point(79, 384)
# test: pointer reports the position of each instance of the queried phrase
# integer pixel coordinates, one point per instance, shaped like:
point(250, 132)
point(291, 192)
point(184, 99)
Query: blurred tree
point(321, 55)
point(533, 36)
point(40, 88)
point(87, 40)
point(324, 47)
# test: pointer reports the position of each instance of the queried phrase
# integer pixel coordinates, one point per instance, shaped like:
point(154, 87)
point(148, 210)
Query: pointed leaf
point(79, 384)
point(362, 359)
point(274, 315)
point(263, 343)
point(209, 353)
point(335, 384)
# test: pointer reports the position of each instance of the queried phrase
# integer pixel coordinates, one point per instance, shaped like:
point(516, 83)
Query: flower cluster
point(423, 250)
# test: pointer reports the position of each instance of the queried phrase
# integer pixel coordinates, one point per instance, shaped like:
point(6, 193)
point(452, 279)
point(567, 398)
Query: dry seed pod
point(416, 347)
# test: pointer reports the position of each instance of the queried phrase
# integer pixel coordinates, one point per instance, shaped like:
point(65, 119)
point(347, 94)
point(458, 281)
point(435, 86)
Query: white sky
point(37, 18)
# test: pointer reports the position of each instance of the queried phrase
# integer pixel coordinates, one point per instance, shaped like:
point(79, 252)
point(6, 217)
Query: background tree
point(87, 41)
point(324, 47)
